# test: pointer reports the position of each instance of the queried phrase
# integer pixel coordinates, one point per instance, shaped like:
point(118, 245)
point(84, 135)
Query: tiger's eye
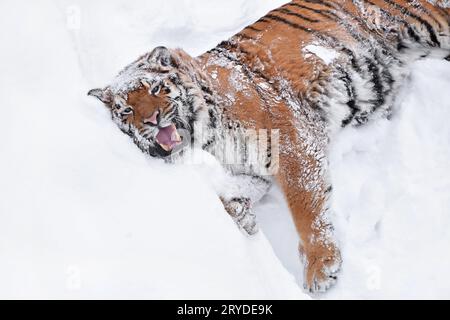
point(127, 110)
point(156, 89)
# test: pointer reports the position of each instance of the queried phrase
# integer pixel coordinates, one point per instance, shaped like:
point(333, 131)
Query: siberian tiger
point(305, 69)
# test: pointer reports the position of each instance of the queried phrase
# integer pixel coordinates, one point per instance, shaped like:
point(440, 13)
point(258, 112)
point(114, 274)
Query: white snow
point(83, 214)
point(327, 55)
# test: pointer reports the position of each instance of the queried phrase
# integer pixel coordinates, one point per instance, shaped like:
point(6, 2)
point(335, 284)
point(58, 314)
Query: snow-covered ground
point(83, 214)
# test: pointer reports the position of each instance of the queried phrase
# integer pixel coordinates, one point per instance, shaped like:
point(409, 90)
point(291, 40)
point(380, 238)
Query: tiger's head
point(157, 100)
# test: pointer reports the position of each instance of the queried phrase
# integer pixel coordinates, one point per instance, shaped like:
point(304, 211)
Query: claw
point(322, 275)
point(240, 210)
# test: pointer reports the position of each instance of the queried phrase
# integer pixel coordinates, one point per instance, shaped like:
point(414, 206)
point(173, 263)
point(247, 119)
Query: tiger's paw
point(321, 271)
point(240, 211)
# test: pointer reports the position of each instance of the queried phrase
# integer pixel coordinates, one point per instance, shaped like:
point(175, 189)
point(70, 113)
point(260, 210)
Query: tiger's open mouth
point(168, 137)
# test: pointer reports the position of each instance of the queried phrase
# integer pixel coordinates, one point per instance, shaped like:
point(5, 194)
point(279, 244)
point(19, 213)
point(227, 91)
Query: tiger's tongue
point(168, 137)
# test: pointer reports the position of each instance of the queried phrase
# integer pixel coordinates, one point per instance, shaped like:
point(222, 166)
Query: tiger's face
point(156, 101)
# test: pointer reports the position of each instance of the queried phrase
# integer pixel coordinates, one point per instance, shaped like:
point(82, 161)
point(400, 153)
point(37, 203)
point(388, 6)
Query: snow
point(325, 54)
point(83, 214)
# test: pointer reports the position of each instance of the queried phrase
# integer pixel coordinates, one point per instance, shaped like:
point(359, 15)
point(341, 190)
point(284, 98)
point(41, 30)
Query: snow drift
point(83, 214)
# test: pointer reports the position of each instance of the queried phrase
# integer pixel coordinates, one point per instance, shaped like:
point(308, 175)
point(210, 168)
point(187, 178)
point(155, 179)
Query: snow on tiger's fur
point(273, 95)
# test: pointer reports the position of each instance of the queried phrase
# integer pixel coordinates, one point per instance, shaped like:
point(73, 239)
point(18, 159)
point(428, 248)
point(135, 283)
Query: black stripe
point(325, 13)
point(269, 151)
point(253, 28)
point(287, 22)
point(448, 58)
point(319, 2)
point(190, 103)
point(377, 83)
point(423, 10)
point(386, 75)
point(401, 46)
point(209, 143)
point(353, 111)
point(212, 119)
point(351, 103)
point(301, 6)
point(206, 90)
point(353, 61)
point(413, 34)
point(427, 25)
point(298, 15)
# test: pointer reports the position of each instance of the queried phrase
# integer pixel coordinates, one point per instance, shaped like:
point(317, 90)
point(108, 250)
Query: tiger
point(306, 70)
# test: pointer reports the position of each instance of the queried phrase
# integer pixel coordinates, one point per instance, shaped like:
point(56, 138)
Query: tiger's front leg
point(240, 210)
point(307, 191)
point(238, 197)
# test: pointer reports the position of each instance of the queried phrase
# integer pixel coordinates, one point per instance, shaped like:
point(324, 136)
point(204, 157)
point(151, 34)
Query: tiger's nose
point(153, 120)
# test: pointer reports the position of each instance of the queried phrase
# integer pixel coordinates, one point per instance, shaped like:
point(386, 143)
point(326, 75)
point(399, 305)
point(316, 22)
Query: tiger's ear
point(104, 95)
point(161, 56)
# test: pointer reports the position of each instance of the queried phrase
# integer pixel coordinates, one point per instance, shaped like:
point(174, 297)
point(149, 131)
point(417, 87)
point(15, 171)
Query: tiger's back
point(371, 42)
